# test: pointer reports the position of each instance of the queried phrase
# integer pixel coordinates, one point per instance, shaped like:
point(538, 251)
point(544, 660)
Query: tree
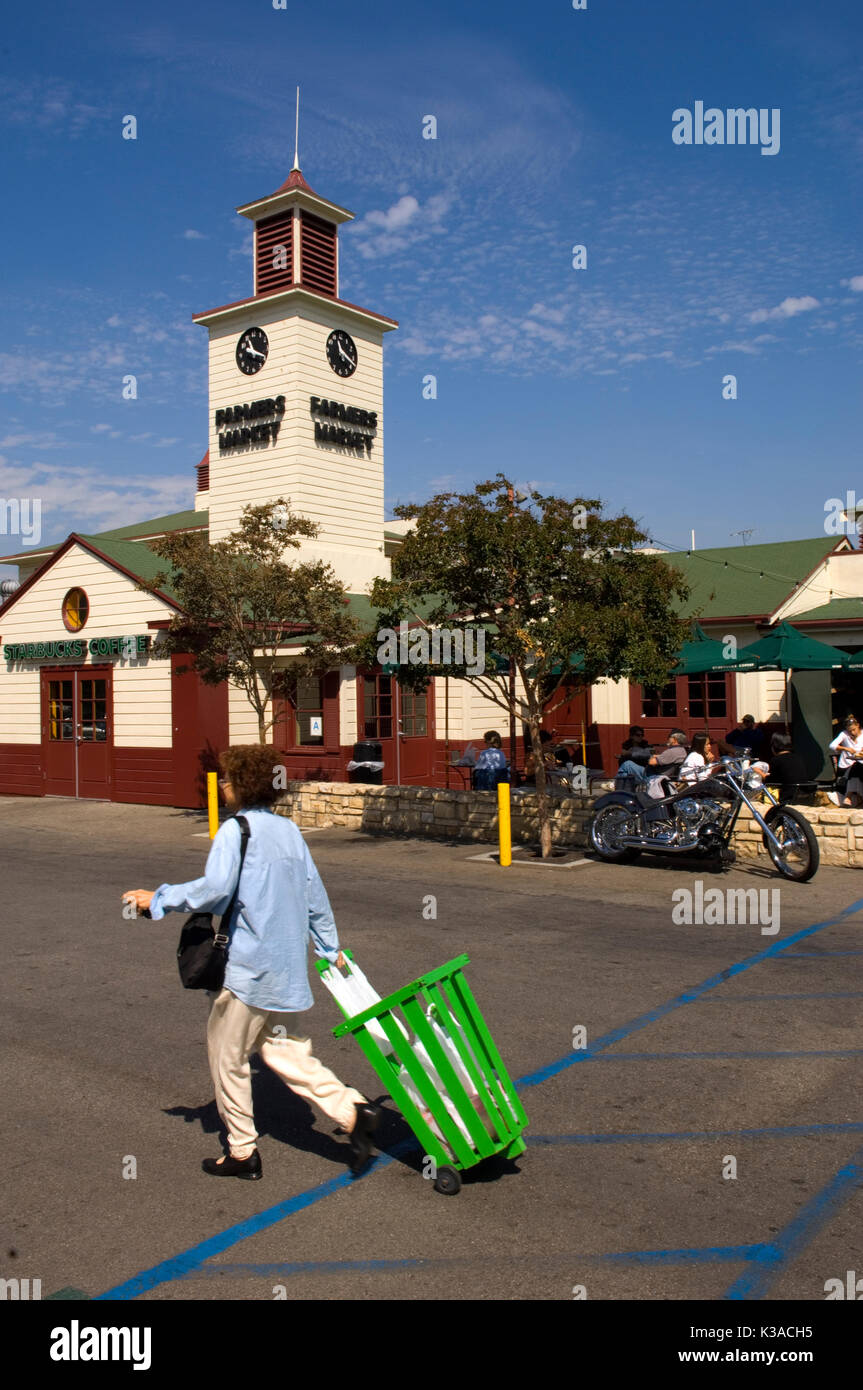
point(242, 602)
point(555, 586)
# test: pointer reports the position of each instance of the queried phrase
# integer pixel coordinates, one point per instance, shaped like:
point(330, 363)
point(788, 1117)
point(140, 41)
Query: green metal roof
point(838, 609)
point(746, 580)
point(156, 526)
point(134, 556)
point(177, 521)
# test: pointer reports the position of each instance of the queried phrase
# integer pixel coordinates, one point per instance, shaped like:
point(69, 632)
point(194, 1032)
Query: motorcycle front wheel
point(799, 856)
point(605, 828)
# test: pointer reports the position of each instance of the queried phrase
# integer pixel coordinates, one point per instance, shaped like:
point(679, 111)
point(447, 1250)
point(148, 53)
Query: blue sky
point(554, 129)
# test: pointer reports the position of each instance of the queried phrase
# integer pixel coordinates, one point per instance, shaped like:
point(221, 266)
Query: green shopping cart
point(430, 1046)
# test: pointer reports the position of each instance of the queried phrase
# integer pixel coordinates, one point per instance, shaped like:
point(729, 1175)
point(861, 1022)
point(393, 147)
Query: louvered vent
point(274, 259)
point(204, 473)
point(317, 253)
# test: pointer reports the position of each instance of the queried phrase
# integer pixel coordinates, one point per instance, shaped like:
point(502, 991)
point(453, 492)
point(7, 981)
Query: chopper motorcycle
point(700, 819)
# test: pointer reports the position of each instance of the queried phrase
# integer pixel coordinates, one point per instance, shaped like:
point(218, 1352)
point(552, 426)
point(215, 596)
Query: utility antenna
point(297, 134)
point(749, 532)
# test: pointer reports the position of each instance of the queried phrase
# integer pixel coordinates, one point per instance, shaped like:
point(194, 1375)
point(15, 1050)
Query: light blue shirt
point(281, 902)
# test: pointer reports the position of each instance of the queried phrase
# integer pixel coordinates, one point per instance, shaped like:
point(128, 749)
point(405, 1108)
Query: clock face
point(342, 353)
point(252, 351)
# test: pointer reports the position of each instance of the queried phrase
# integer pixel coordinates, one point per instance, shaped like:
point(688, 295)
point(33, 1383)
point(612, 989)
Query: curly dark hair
point(252, 770)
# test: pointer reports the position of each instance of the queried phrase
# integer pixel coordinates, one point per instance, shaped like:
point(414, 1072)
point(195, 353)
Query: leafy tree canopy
point(242, 602)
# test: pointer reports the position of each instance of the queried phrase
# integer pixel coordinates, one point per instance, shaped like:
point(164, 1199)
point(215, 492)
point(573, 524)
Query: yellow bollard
point(213, 801)
point(503, 821)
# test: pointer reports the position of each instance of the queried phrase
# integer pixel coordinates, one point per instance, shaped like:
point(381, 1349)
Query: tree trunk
point(542, 806)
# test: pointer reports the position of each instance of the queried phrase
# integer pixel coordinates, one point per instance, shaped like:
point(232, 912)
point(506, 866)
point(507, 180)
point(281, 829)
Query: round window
point(76, 610)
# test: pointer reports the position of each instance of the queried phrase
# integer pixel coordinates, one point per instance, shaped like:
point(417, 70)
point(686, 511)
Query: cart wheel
point(447, 1182)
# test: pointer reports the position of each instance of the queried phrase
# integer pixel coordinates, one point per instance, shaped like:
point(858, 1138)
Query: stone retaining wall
point(438, 813)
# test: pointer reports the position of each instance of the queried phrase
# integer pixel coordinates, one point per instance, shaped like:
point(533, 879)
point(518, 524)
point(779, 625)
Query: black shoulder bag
point(203, 952)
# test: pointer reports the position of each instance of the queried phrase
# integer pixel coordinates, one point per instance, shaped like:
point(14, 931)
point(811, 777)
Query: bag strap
point(244, 840)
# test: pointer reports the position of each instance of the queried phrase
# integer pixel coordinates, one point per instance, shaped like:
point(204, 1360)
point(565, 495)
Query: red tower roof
point(295, 180)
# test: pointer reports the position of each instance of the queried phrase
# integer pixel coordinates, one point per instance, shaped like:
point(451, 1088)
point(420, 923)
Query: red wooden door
point(402, 723)
point(376, 717)
point(416, 736)
point(95, 738)
point(565, 723)
point(77, 732)
point(59, 751)
point(694, 704)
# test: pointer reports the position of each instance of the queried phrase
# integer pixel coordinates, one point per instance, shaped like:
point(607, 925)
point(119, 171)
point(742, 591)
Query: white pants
point(234, 1031)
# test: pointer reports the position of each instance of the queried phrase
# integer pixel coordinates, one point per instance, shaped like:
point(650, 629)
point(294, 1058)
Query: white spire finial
point(297, 134)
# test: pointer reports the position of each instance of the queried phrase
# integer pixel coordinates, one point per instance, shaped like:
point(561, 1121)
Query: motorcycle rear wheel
point(602, 834)
point(801, 857)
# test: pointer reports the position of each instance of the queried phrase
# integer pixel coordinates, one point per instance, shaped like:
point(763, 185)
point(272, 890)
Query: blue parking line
point(754, 1284)
point(819, 955)
point(762, 998)
point(178, 1265)
point(688, 997)
point(720, 1254)
point(711, 1056)
point(695, 1135)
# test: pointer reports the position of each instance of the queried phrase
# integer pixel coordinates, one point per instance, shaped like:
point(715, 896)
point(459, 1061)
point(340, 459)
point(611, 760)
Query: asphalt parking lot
point(706, 1142)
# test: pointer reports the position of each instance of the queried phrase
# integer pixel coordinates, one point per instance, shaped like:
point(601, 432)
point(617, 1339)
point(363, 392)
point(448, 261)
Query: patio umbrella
point(702, 653)
point(786, 649)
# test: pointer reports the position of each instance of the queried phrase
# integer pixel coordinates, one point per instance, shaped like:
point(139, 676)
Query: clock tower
point(296, 389)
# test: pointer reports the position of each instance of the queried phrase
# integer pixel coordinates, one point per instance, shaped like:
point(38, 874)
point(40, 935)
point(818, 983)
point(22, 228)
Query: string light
point(747, 569)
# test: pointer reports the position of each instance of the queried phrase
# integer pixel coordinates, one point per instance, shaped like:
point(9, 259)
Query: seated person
point(664, 764)
point(787, 768)
point(701, 754)
point(635, 747)
point(747, 735)
point(849, 746)
point(491, 765)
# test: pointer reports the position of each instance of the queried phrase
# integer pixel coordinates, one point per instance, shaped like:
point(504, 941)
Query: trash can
point(432, 1049)
point(367, 763)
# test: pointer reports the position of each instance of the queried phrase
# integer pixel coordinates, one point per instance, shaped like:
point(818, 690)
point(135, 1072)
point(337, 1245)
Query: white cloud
point(855, 283)
point(192, 235)
point(30, 440)
point(407, 221)
point(542, 311)
point(399, 215)
point(788, 309)
point(83, 499)
point(45, 104)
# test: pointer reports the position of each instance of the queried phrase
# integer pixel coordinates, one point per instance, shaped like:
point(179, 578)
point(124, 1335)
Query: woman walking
point(280, 903)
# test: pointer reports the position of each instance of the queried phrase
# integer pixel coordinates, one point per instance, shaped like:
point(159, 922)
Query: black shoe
point(368, 1118)
point(235, 1167)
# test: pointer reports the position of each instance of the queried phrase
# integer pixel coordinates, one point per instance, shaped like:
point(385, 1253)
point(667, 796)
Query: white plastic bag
point(354, 994)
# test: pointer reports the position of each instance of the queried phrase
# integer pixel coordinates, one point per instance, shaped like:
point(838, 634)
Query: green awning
point(786, 649)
